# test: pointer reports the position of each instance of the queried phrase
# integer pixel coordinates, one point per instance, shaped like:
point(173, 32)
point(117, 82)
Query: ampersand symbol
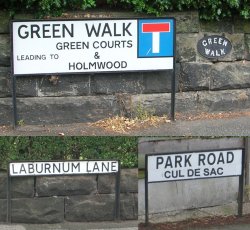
point(97, 56)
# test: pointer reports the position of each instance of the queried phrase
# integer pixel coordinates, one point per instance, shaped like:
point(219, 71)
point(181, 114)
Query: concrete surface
point(236, 126)
point(227, 227)
point(124, 225)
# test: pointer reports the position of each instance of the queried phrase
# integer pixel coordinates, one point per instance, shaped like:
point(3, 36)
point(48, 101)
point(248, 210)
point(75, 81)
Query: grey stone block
point(222, 26)
point(196, 102)
point(65, 185)
point(106, 184)
point(39, 210)
point(219, 76)
point(129, 206)
point(195, 76)
point(22, 187)
point(4, 50)
point(3, 210)
point(5, 82)
point(65, 85)
point(97, 207)
point(5, 111)
point(247, 50)
point(117, 83)
point(48, 110)
point(241, 26)
point(230, 76)
point(4, 22)
point(26, 86)
point(186, 47)
point(128, 182)
point(159, 81)
point(3, 185)
point(186, 22)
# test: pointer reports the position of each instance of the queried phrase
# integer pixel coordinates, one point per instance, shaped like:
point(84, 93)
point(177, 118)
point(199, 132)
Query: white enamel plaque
point(84, 46)
point(186, 166)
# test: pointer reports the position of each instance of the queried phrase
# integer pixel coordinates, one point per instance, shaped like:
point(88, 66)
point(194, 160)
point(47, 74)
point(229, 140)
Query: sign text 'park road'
point(185, 166)
point(79, 46)
point(62, 168)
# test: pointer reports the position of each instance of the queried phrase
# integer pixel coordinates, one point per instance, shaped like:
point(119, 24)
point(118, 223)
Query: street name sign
point(84, 46)
point(214, 46)
point(168, 167)
point(62, 168)
point(186, 166)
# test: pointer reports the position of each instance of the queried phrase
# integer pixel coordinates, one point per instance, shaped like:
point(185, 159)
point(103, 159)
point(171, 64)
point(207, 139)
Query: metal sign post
point(194, 165)
point(92, 46)
point(56, 168)
point(14, 101)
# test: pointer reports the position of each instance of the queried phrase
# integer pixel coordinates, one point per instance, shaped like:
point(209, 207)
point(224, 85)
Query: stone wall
point(202, 85)
point(69, 198)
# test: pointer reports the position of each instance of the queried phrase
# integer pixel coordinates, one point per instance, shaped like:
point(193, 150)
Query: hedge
point(208, 9)
point(67, 148)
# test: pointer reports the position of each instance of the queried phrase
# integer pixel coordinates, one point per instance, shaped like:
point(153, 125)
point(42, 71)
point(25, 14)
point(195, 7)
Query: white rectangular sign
point(83, 46)
point(62, 168)
point(185, 166)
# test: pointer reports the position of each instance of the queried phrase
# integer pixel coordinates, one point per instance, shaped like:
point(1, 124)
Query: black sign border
point(91, 19)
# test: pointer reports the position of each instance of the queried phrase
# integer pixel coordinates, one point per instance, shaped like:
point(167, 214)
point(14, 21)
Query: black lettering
point(201, 159)
point(93, 30)
point(220, 171)
point(166, 174)
point(58, 168)
point(37, 168)
point(206, 172)
point(159, 161)
point(70, 31)
point(25, 34)
point(55, 31)
point(230, 157)
point(96, 167)
point(187, 158)
point(31, 168)
point(221, 159)
point(64, 167)
point(22, 169)
point(106, 30)
point(34, 29)
point(211, 158)
point(113, 166)
point(77, 166)
point(46, 31)
point(47, 168)
point(178, 160)
point(115, 32)
point(169, 162)
point(125, 29)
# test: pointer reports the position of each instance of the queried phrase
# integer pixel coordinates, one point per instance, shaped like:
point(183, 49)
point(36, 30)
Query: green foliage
point(66, 148)
point(208, 9)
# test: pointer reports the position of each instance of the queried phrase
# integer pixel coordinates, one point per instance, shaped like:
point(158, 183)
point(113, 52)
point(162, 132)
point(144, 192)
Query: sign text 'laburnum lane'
point(62, 168)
